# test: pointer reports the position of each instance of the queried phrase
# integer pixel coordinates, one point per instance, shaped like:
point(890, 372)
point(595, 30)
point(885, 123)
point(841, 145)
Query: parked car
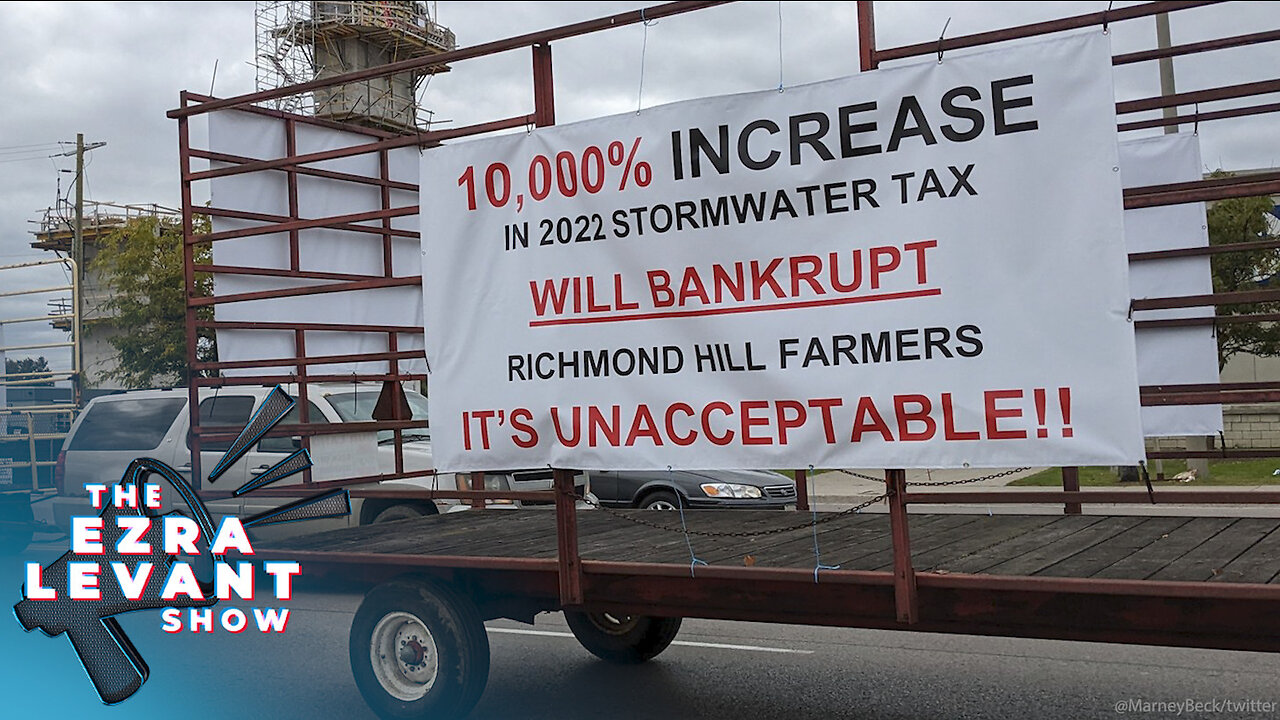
point(670, 489)
point(114, 429)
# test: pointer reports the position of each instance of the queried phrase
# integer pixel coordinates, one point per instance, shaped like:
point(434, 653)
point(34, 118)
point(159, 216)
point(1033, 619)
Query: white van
point(114, 429)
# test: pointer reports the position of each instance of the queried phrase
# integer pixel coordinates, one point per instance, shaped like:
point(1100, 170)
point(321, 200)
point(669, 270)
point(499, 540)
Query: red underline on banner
point(700, 312)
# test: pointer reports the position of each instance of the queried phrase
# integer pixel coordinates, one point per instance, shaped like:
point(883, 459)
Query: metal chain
point(638, 519)
point(864, 477)
point(942, 483)
point(993, 476)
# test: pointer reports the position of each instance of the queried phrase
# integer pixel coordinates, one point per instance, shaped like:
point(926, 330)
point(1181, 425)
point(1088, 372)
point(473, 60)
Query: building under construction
point(300, 41)
point(55, 231)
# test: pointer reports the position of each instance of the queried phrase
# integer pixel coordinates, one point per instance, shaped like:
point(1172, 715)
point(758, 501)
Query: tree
point(25, 366)
point(142, 264)
point(1241, 220)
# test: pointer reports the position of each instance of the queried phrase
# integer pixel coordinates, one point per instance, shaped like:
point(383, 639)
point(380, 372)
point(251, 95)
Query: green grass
point(1221, 472)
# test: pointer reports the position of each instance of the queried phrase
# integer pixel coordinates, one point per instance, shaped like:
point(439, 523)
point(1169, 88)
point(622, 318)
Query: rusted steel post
point(303, 403)
point(477, 483)
point(904, 575)
point(867, 36)
point(1071, 483)
point(189, 311)
point(544, 95)
point(569, 563)
point(802, 490)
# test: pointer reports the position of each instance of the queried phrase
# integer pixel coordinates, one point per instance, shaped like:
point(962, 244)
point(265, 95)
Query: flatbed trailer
point(625, 579)
point(1209, 582)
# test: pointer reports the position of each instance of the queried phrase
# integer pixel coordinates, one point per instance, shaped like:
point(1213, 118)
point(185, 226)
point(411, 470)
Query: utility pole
point(77, 256)
point(1166, 69)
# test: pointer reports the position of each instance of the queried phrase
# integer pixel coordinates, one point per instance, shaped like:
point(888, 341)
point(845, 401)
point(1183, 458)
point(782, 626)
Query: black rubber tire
point(659, 496)
point(635, 640)
point(17, 524)
point(403, 511)
point(458, 632)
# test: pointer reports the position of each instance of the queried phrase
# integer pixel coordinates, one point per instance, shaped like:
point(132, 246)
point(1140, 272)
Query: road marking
point(685, 643)
point(752, 648)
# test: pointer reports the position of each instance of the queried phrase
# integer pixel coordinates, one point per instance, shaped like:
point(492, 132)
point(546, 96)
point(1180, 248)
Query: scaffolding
point(298, 41)
point(55, 228)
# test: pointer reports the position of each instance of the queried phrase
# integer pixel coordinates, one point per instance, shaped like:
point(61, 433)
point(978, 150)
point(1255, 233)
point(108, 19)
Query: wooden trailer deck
point(1196, 549)
point(1184, 581)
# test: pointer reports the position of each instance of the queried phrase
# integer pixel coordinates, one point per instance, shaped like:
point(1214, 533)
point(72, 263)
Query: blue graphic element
point(276, 405)
point(114, 665)
point(112, 662)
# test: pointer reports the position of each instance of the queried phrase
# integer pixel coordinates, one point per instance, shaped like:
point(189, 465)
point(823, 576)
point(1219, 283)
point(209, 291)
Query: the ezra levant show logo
point(133, 556)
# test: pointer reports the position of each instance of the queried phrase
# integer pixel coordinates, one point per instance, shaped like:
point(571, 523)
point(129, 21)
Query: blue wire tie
point(817, 556)
point(693, 559)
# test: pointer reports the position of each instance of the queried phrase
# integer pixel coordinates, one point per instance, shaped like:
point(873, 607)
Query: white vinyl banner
point(331, 250)
point(1171, 355)
point(921, 266)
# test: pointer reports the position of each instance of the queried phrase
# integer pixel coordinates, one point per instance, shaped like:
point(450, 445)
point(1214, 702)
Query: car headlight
point(495, 483)
point(730, 490)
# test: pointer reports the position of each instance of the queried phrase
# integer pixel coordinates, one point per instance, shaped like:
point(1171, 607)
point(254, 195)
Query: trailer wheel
point(17, 523)
point(419, 650)
point(623, 639)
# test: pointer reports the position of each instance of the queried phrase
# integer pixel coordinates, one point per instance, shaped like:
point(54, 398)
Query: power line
point(58, 143)
point(23, 159)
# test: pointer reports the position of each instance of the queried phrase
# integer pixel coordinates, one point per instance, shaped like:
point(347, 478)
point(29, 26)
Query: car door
point(262, 457)
point(232, 411)
point(604, 485)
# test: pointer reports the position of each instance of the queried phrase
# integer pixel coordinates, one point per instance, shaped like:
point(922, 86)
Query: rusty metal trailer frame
point(1236, 616)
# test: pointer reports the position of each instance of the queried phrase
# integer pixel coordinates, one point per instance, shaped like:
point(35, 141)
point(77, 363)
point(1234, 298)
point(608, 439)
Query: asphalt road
point(743, 671)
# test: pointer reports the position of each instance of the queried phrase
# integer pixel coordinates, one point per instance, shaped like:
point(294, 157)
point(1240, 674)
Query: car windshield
point(357, 406)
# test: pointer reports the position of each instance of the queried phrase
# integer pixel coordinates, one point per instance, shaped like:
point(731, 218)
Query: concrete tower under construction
point(300, 41)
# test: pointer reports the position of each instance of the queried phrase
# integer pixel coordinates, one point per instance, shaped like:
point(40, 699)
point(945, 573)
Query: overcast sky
point(111, 70)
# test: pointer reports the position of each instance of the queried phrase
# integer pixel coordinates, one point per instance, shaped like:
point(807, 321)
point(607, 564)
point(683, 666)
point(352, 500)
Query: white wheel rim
point(614, 624)
point(660, 505)
point(403, 655)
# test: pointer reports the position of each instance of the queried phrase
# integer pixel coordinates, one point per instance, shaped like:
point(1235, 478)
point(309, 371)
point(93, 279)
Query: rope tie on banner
point(780, 46)
point(1105, 27)
point(694, 562)
point(817, 553)
point(644, 49)
point(940, 36)
point(1195, 129)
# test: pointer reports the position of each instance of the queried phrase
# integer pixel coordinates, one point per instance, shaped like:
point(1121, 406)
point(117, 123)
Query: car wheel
point(418, 650)
point(403, 511)
point(660, 500)
point(623, 639)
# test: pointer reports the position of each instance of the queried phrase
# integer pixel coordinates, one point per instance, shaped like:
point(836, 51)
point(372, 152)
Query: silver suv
point(114, 429)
